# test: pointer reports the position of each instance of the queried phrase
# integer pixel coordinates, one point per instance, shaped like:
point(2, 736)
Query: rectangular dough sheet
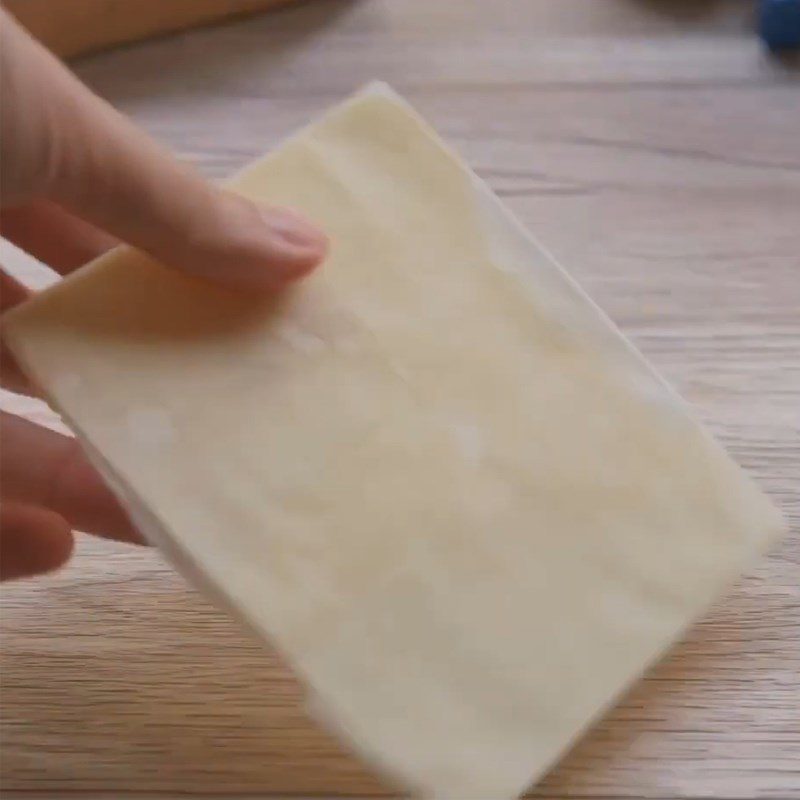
point(434, 474)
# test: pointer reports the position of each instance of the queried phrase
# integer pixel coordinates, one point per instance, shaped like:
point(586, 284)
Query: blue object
point(779, 23)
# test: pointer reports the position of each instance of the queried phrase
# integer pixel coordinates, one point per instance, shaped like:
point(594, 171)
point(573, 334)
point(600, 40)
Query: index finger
point(105, 170)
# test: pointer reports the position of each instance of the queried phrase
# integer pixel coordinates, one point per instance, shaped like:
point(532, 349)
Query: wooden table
point(655, 149)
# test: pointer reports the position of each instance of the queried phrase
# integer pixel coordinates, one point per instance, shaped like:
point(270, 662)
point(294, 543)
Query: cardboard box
point(73, 27)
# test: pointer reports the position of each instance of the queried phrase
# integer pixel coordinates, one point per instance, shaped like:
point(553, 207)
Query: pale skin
point(77, 178)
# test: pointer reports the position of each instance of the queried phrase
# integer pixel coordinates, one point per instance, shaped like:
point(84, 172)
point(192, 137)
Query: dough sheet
point(434, 474)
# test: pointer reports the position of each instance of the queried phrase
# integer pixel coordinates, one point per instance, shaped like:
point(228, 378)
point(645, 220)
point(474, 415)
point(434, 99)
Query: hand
point(76, 179)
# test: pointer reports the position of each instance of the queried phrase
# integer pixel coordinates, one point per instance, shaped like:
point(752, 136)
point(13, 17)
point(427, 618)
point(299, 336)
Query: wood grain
point(656, 151)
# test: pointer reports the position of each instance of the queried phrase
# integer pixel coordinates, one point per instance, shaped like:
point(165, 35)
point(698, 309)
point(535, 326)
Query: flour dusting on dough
point(300, 340)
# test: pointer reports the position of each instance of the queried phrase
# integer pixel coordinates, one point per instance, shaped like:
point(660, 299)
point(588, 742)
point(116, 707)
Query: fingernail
point(294, 229)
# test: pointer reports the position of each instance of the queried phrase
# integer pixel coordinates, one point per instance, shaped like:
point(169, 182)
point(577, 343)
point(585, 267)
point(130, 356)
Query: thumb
point(32, 540)
point(105, 170)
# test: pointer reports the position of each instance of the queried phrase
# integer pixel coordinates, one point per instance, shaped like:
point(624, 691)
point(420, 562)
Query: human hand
point(77, 178)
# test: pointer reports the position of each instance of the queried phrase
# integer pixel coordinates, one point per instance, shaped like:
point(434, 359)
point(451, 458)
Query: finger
point(43, 468)
point(103, 169)
point(32, 541)
point(57, 238)
point(12, 292)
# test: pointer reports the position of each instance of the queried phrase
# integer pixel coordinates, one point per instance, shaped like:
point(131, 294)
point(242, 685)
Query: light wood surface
point(655, 150)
